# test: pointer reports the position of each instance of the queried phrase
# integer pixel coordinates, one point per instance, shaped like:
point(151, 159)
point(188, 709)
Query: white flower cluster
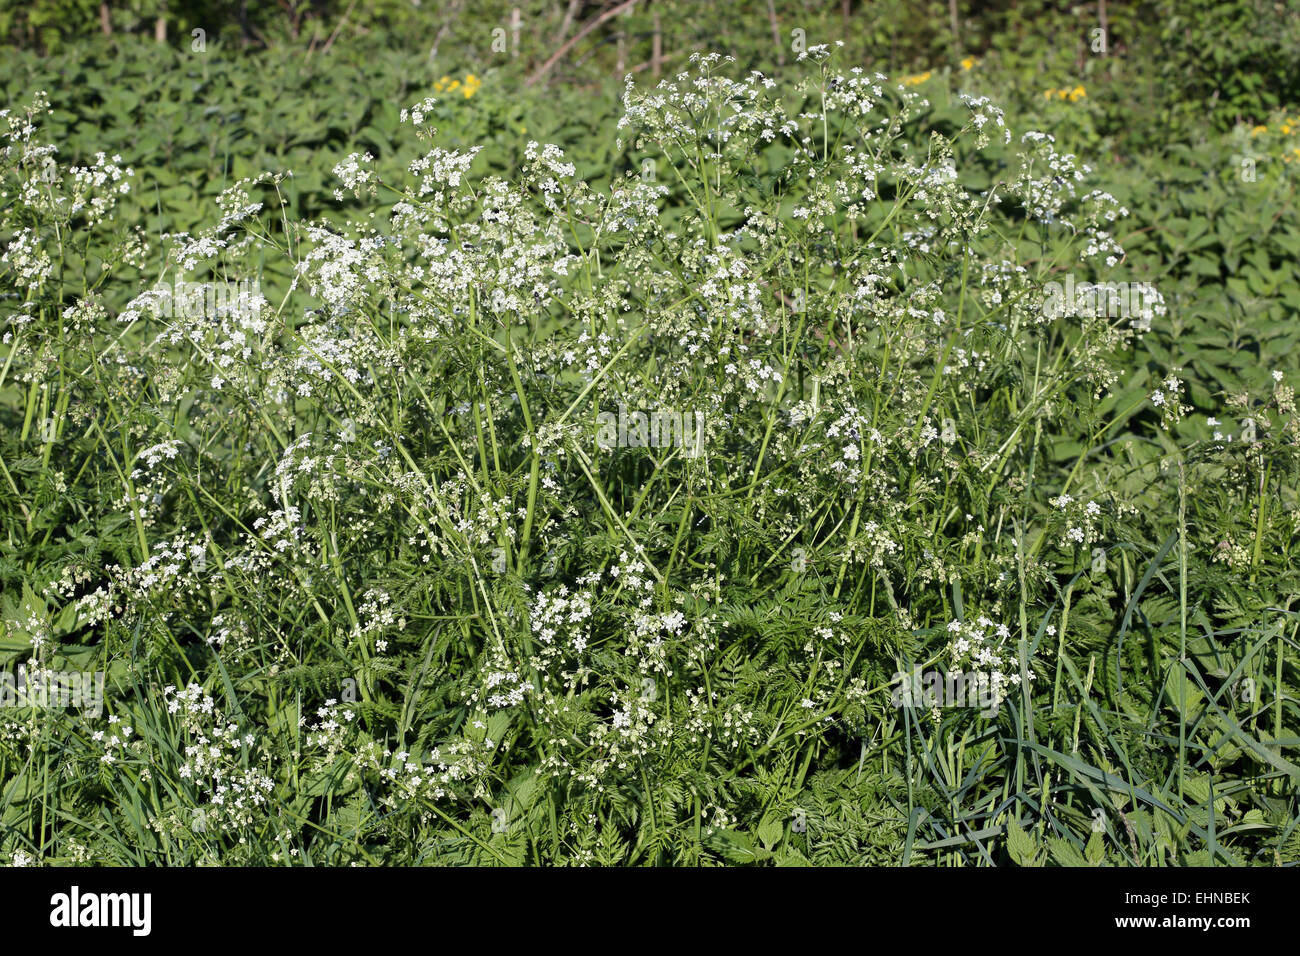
point(218, 762)
point(356, 174)
point(1168, 399)
point(1081, 519)
point(982, 646)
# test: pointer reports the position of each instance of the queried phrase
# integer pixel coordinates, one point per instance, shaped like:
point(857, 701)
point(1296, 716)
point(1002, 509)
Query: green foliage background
point(1190, 95)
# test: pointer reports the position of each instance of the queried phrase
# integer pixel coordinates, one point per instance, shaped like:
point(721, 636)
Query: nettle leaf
point(1021, 846)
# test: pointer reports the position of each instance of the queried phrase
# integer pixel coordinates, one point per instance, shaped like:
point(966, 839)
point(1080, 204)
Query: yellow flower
point(1077, 93)
point(1258, 129)
point(1047, 94)
point(1286, 129)
point(968, 63)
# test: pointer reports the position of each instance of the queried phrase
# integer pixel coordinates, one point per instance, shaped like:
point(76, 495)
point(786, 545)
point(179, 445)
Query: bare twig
point(546, 67)
point(776, 33)
point(442, 32)
point(569, 14)
point(342, 22)
point(657, 48)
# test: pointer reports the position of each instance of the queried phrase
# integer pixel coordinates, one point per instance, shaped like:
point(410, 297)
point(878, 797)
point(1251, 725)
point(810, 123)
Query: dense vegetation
point(427, 493)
